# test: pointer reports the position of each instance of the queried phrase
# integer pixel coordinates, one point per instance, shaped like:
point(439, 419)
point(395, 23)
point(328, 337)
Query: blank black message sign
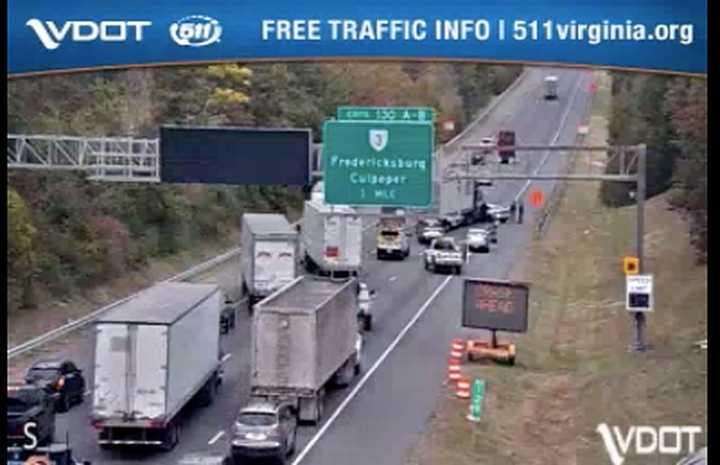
point(225, 155)
point(495, 305)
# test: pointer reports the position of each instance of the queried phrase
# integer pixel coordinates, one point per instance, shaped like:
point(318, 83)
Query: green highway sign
point(386, 114)
point(375, 163)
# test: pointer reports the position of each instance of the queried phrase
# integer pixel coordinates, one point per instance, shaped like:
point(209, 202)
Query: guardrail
point(558, 192)
point(80, 322)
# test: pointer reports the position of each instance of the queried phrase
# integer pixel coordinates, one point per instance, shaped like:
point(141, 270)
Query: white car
point(498, 212)
point(478, 240)
point(430, 234)
point(487, 145)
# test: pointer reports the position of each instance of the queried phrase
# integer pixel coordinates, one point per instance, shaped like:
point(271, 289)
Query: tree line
point(66, 233)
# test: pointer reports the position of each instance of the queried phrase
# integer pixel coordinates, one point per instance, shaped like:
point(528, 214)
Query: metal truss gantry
point(103, 158)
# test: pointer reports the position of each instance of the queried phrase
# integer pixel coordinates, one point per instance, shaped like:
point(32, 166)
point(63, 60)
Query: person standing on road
point(521, 210)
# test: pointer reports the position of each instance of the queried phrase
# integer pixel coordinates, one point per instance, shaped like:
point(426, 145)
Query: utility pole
point(639, 344)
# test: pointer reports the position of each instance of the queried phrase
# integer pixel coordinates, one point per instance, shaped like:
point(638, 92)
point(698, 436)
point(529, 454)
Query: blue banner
point(661, 35)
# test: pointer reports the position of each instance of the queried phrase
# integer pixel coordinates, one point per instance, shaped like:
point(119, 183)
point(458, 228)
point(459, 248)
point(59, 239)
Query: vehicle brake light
point(97, 424)
point(157, 424)
point(60, 383)
point(332, 251)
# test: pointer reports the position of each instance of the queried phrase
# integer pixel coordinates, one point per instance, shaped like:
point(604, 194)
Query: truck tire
point(207, 394)
point(458, 270)
point(291, 449)
point(171, 437)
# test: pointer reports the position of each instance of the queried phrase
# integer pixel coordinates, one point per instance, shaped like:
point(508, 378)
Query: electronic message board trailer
point(495, 305)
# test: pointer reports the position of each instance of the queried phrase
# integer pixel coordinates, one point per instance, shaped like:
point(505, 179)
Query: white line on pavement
point(86, 393)
point(226, 357)
point(393, 278)
point(216, 438)
point(369, 373)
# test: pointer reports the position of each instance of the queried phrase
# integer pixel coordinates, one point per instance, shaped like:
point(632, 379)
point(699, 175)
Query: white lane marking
point(226, 357)
point(370, 372)
point(86, 393)
point(216, 438)
point(393, 278)
point(554, 140)
point(467, 260)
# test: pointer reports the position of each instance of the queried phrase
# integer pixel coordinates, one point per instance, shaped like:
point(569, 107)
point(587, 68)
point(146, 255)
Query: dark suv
point(59, 377)
point(264, 430)
point(26, 405)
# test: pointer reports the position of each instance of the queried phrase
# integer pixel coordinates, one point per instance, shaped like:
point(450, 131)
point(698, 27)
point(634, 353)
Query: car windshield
point(257, 419)
point(477, 232)
point(43, 373)
point(390, 234)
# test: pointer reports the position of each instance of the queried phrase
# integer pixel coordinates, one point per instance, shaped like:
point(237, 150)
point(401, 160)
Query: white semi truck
point(331, 239)
point(269, 252)
point(153, 354)
point(304, 337)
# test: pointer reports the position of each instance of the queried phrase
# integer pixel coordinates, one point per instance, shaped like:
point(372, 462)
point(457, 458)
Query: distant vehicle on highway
point(452, 221)
point(364, 304)
point(29, 403)
point(444, 253)
point(424, 223)
point(478, 240)
point(430, 233)
point(59, 377)
point(392, 238)
point(487, 145)
point(204, 458)
point(551, 87)
point(506, 138)
point(264, 430)
point(498, 212)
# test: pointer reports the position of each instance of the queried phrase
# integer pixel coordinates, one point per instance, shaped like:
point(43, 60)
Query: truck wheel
point(458, 270)
point(320, 407)
point(172, 437)
point(427, 267)
point(291, 449)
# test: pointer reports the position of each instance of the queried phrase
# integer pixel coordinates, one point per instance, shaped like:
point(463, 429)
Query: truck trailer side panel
point(188, 366)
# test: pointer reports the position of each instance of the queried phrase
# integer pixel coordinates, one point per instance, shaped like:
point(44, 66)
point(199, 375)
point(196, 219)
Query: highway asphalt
point(416, 314)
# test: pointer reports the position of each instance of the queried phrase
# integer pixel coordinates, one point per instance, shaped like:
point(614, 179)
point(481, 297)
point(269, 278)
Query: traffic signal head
point(631, 265)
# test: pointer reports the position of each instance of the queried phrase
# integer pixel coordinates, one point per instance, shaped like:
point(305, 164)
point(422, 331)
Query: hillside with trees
point(66, 234)
point(669, 114)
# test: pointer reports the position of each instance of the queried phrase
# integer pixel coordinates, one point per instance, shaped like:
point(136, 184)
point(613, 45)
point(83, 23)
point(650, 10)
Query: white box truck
point(303, 337)
point(331, 239)
point(269, 254)
point(153, 354)
point(392, 237)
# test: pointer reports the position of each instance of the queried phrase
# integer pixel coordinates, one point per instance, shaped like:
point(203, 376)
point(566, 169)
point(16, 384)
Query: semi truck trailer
point(331, 239)
point(269, 251)
point(305, 338)
point(392, 237)
point(153, 354)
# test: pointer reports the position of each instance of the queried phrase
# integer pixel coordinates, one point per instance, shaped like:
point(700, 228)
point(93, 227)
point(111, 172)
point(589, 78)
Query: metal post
point(639, 344)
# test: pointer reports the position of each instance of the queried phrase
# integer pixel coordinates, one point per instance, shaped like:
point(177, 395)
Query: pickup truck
point(444, 253)
point(430, 233)
point(30, 404)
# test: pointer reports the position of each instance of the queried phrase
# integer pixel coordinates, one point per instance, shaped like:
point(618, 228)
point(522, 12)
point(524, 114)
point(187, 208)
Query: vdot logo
point(666, 440)
point(51, 34)
point(196, 31)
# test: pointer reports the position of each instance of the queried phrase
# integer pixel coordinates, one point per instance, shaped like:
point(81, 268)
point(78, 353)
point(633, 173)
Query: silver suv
point(264, 430)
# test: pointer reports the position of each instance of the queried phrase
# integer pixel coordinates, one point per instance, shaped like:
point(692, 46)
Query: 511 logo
point(196, 31)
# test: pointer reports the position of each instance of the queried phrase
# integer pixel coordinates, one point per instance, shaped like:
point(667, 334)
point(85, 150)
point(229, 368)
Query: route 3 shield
point(378, 139)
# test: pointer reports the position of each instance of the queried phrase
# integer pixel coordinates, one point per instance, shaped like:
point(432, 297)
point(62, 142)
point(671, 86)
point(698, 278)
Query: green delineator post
point(388, 114)
point(476, 401)
point(376, 163)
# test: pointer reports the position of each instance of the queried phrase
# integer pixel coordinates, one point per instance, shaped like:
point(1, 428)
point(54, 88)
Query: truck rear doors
point(506, 138)
point(130, 371)
point(274, 265)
